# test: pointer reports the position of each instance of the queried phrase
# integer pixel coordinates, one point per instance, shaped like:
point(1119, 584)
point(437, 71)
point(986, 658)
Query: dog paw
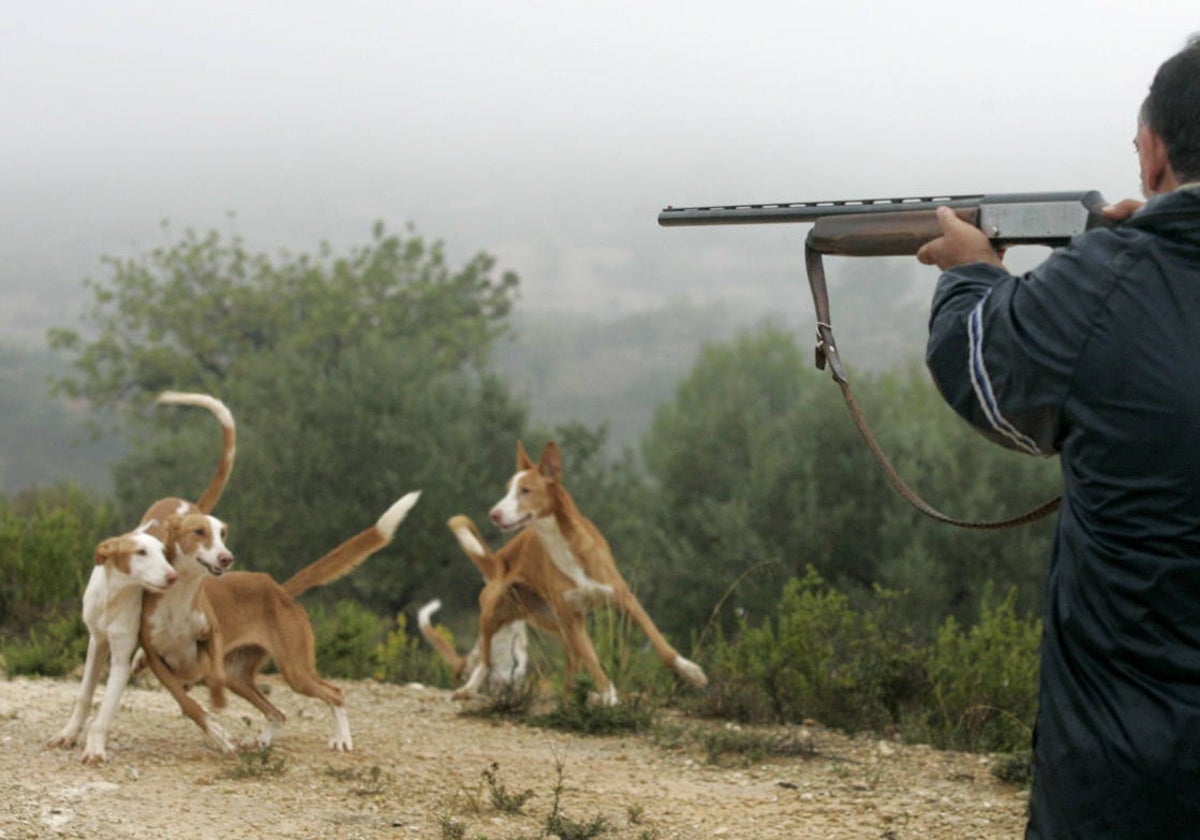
point(94, 755)
point(219, 736)
point(64, 740)
point(606, 698)
point(690, 671)
point(341, 744)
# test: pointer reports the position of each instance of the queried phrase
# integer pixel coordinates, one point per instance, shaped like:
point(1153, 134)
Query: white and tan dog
point(260, 619)
point(510, 651)
point(552, 572)
point(115, 605)
point(179, 634)
point(125, 566)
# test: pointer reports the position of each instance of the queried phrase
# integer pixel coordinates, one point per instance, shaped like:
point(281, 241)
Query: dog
point(179, 635)
point(125, 566)
point(260, 619)
point(510, 652)
point(112, 600)
point(552, 572)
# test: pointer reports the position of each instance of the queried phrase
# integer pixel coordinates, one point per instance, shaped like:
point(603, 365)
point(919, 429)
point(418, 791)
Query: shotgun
point(883, 227)
point(891, 227)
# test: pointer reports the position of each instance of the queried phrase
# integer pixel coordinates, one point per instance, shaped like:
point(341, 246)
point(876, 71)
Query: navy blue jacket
point(1095, 356)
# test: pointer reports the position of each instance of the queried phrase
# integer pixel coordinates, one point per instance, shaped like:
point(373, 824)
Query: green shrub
point(984, 680)
point(346, 639)
point(47, 541)
point(821, 658)
point(402, 657)
point(52, 648)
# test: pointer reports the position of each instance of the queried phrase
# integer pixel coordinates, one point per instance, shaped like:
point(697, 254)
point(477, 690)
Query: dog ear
point(106, 549)
point(550, 464)
point(524, 462)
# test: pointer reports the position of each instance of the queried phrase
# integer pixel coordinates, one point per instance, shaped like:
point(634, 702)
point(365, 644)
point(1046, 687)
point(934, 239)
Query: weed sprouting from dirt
point(562, 827)
point(256, 764)
point(502, 800)
point(371, 781)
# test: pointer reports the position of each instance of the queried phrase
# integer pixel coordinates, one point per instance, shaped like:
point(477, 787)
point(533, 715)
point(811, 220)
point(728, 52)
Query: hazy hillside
point(42, 440)
point(568, 366)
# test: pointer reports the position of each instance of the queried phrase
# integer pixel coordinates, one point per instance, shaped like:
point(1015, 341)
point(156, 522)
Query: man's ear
point(1156, 173)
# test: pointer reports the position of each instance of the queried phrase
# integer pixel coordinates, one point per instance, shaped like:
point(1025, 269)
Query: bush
point(984, 681)
point(52, 648)
point(402, 657)
point(821, 658)
point(346, 638)
point(47, 540)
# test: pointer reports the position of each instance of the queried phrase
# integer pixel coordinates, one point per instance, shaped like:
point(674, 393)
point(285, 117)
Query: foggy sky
point(549, 134)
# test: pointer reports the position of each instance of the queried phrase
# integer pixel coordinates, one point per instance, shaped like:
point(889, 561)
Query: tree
point(353, 379)
point(763, 474)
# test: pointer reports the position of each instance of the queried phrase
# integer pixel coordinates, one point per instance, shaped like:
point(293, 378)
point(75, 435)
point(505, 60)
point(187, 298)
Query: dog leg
point(241, 668)
point(69, 736)
point(118, 676)
point(580, 645)
point(688, 670)
point(207, 723)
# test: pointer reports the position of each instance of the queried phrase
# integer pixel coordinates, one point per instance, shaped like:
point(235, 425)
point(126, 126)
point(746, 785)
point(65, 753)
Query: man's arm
point(1003, 349)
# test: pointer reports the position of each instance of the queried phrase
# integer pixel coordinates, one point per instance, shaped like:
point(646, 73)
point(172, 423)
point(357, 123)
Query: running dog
point(125, 566)
point(556, 568)
point(179, 634)
point(259, 619)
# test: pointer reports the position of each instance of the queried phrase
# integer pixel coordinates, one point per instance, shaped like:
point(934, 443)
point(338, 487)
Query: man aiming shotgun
point(1093, 355)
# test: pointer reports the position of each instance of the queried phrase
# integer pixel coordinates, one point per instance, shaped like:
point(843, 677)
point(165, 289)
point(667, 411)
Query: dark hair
point(1172, 109)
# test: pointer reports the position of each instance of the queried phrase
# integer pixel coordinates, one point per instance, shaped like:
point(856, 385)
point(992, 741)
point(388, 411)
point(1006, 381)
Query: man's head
point(1168, 138)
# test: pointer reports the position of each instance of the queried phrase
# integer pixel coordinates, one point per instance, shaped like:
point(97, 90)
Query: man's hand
point(1122, 210)
point(960, 243)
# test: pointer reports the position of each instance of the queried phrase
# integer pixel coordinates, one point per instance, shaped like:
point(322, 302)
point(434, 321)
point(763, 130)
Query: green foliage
point(402, 657)
point(257, 764)
point(194, 311)
point(821, 658)
point(52, 648)
point(734, 745)
point(758, 467)
point(353, 379)
point(47, 542)
point(575, 713)
point(563, 827)
point(984, 680)
point(346, 639)
point(502, 799)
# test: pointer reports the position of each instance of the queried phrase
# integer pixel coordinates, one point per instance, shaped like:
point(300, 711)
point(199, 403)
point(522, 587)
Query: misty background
point(548, 135)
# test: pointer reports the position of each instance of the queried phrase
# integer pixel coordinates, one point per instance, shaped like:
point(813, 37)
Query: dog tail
point(436, 640)
point(474, 546)
point(350, 555)
point(224, 416)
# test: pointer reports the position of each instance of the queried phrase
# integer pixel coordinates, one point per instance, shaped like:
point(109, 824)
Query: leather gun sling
point(827, 353)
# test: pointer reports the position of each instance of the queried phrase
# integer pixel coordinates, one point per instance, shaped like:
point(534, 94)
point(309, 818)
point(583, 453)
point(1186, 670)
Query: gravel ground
point(418, 772)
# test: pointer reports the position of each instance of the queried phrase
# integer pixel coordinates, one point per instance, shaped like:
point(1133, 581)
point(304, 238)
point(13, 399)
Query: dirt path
point(418, 767)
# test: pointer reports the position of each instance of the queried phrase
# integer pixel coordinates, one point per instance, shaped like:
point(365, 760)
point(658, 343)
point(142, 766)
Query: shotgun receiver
point(882, 227)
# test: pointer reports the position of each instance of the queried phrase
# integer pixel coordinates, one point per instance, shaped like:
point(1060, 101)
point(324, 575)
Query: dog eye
point(199, 532)
point(524, 491)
